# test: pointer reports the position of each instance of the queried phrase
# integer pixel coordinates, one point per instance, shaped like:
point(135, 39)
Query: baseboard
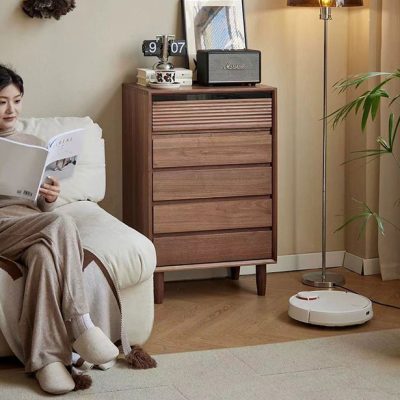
point(295, 262)
point(362, 266)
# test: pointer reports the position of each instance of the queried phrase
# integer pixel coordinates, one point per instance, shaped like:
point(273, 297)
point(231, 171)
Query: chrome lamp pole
point(324, 279)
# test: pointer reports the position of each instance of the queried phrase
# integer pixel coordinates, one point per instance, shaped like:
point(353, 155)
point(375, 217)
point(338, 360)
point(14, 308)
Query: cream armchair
point(129, 255)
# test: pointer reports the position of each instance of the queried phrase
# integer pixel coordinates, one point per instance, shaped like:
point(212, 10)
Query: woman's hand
point(51, 189)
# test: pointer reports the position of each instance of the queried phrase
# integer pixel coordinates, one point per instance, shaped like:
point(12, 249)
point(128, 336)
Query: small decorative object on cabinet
point(199, 176)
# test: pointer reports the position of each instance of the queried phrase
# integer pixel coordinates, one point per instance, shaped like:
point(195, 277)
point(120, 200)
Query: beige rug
point(362, 366)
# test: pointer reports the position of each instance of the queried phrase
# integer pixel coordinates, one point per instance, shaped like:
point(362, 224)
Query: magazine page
point(21, 168)
point(63, 154)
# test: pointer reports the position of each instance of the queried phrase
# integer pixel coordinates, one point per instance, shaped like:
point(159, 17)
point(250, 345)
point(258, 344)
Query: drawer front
point(216, 247)
point(195, 115)
point(212, 149)
point(211, 183)
point(212, 215)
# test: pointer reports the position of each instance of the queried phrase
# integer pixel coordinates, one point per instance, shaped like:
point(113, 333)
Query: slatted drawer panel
point(195, 115)
point(204, 248)
point(212, 215)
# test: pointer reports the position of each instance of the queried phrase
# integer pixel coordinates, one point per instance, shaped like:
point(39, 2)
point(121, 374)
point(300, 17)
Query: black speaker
point(228, 67)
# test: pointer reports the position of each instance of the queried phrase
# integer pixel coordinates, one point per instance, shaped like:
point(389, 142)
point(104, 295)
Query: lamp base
point(315, 279)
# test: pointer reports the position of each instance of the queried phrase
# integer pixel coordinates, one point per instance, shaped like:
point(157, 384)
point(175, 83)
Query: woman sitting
point(48, 245)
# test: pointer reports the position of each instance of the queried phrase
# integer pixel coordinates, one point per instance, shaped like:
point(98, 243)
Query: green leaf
point(367, 107)
point(391, 122)
point(394, 99)
point(365, 216)
point(383, 143)
point(341, 113)
point(369, 100)
point(396, 129)
point(376, 153)
point(352, 219)
point(371, 104)
point(375, 106)
point(368, 151)
point(356, 80)
point(379, 222)
point(359, 102)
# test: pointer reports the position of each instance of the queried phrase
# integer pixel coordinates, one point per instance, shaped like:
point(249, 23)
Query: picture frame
point(213, 24)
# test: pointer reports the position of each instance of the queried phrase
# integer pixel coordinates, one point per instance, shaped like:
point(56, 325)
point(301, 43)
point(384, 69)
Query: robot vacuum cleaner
point(330, 308)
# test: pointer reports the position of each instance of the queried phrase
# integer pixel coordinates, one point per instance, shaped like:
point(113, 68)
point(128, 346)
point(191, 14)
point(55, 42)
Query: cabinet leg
point(261, 279)
point(158, 287)
point(234, 273)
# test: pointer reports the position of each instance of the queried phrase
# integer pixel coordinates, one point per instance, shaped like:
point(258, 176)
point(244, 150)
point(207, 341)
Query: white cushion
point(89, 179)
point(129, 254)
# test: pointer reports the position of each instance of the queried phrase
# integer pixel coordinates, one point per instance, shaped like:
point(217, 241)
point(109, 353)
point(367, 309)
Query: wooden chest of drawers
point(199, 176)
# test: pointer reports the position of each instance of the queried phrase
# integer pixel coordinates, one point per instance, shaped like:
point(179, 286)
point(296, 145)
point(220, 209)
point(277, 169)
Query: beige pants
point(48, 245)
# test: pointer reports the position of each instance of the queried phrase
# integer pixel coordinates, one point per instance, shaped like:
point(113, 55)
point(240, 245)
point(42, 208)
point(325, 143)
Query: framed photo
point(213, 24)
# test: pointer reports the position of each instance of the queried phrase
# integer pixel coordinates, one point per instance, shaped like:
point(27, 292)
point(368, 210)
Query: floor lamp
point(324, 279)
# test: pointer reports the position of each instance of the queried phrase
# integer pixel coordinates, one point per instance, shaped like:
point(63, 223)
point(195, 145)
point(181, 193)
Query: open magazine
point(24, 167)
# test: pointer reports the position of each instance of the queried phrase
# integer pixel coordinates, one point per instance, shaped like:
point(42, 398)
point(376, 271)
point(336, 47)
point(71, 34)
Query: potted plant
point(368, 103)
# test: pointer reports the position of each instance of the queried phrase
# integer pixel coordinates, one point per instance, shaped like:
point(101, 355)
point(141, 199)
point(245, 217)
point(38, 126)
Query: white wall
point(75, 66)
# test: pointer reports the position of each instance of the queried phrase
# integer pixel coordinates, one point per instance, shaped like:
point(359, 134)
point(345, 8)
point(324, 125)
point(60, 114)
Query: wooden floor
point(218, 313)
point(208, 314)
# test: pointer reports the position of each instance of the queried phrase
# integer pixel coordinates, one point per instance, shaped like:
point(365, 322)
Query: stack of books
point(183, 76)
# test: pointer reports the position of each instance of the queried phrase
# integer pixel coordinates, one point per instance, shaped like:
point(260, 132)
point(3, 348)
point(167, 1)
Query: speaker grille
point(234, 68)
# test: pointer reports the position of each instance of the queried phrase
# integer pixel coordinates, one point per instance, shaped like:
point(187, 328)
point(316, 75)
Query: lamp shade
point(325, 3)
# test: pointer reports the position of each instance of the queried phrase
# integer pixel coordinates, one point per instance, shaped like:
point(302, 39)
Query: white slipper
point(106, 366)
point(95, 347)
point(54, 378)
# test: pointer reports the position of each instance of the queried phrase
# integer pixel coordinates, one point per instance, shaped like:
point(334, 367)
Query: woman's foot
point(79, 363)
point(94, 346)
point(90, 341)
point(54, 378)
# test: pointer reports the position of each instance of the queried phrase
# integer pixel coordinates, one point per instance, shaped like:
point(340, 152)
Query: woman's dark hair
point(10, 77)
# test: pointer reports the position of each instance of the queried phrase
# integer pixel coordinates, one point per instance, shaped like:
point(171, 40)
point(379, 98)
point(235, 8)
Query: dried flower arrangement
point(47, 8)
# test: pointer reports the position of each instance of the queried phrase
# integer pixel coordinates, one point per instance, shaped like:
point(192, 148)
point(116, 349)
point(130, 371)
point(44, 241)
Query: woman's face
point(10, 106)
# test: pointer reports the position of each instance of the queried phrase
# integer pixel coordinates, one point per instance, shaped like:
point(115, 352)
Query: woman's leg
point(49, 245)
point(42, 325)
